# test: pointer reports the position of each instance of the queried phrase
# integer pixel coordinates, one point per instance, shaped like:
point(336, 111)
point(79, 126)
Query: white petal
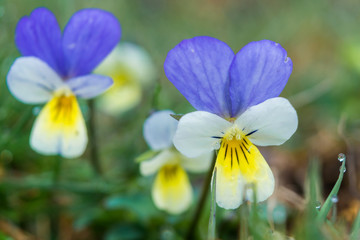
point(269, 123)
point(172, 191)
point(60, 129)
point(199, 164)
point(159, 130)
point(151, 166)
point(198, 131)
point(265, 183)
point(229, 187)
point(32, 81)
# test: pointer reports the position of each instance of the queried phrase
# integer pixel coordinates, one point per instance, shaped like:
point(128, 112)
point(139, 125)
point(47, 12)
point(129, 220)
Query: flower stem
point(54, 215)
point(94, 155)
point(200, 206)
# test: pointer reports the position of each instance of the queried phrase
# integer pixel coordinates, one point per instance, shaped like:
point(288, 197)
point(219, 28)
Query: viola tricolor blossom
point(236, 96)
point(56, 69)
point(171, 190)
point(132, 69)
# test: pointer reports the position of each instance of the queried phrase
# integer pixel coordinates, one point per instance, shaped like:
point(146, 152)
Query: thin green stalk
point(54, 214)
point(94, 154)
point(334, 213)
point(244, 215)
point(329, 202)
point(200, 206)
point(212, 218)
point(57, 171)
point(355, 231)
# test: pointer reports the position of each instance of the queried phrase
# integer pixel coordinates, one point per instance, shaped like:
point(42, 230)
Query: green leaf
point(328, 202)
point(355, 231)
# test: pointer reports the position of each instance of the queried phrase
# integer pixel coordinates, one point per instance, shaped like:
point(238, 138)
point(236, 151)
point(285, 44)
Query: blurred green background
point(321, 37)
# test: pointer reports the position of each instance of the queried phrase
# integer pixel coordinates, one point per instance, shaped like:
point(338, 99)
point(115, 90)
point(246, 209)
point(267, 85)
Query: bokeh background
point(75, 202)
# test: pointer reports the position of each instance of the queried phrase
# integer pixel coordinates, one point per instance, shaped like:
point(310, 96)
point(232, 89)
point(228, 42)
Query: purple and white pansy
point(236, 97)
point(56, 69)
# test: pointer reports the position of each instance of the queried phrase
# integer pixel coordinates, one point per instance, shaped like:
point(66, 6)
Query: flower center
point(237, 155)
point(62, 111)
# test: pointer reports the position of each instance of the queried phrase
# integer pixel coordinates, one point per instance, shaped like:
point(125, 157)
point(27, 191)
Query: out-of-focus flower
point(237, 103)
point(172, 190)
point(56, 70)
point(131, 68)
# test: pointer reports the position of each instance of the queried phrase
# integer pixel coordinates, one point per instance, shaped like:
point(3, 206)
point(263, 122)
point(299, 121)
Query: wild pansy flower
point(171, 190)
point(131, 68)
point(236, 96)
point(55, 69)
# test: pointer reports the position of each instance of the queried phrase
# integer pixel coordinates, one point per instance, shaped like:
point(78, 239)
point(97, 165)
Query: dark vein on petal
point(226, 151)
point(237, 157)
point(216, 137)
point(244, 154)
point(251, 132)
point(245, 147)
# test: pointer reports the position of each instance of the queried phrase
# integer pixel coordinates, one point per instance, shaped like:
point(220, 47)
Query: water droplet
point(341, 157)
point(344, 170)
point(334, 199)
point(36, 110)
point(317, 205)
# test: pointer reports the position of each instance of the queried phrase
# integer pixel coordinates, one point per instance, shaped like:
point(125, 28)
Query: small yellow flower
point(131, 68)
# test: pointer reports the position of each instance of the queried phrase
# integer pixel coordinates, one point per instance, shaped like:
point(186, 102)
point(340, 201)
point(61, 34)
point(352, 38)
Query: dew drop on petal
point(341, 157)
point(334, 199)
point(317, 205)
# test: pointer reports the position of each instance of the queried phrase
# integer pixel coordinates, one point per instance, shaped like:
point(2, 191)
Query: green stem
point(200, 206)
point(54, 214)
point(355, 231)
point(328, 203)
point(94, 154)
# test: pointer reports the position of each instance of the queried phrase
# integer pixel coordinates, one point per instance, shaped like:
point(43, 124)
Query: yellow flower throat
point(62, 111)
point(238, 155)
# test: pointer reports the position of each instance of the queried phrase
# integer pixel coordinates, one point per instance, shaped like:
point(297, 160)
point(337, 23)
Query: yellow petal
point(239, 166)
point(60, 128)
point(172, 191)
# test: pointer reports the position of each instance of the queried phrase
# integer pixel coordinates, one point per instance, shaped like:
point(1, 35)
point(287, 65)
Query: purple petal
point(89, 36)
point(260, 71)
point(198, 68)
point(89, 86)
point(39, 35)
